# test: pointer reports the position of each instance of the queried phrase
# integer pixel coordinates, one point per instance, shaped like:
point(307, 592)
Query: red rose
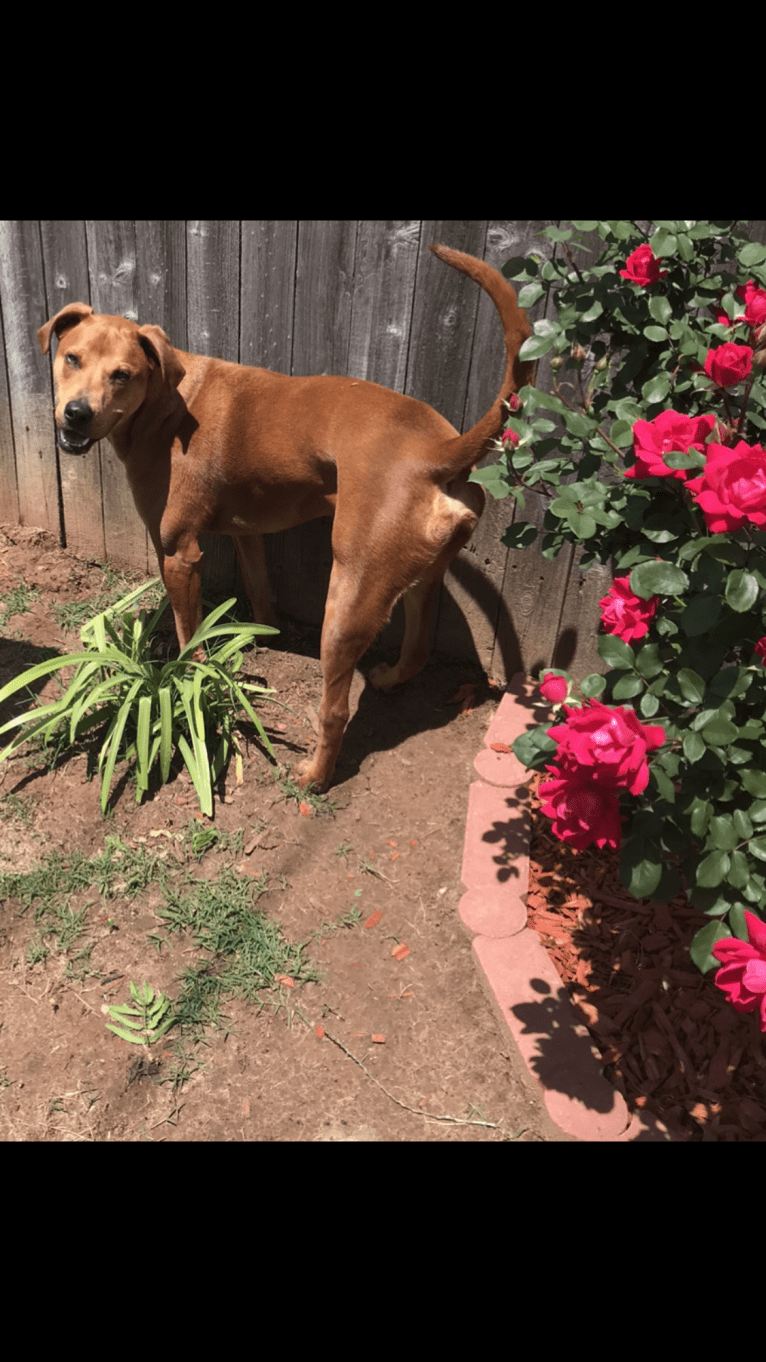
point(652, 440)
point(729, 364)
point(754, 299)
point(732, 489)
point(760, 650)
point(582, 811)
point(743, 976)
point(642, 267)
point(553, 688)
point(509, 437)
point(611, 743)
point(625, 614)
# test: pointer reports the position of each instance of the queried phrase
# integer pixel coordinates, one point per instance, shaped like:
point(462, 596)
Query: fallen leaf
point(379, 1040)
point(394, 856)
point(305, 809)
point(499, 747)
point(245, 1106)
point(401, 951)
point(374, 919)
point(284, 979)
point(238, 769)
point(391, 842)
point(320, 1031)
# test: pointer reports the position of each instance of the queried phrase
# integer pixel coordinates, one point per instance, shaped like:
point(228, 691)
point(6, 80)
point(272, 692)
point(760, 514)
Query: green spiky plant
point(145, 708)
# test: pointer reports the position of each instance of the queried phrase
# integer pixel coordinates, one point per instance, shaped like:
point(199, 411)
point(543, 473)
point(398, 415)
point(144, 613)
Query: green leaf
point(536, 346)
point(615, 652)
point(719, 732)
point(702, 944)
point(142, 744)
point(721, 834)
point(752, 254)
point(713, 869)
point(166, 732)
point(739, 873)
point(701, 614)
point(655, 333)
point(742, 823)
point(693, 747)
point(754, 782)
point(691, 685)
point(530, 294)
point(534, 748)
point(627, 687)
point(757, 845)
point(593, 685)
point(640, 873)
point(741, 590)
point(656, 389)
point(116, 738)
point(648, 660)
point(660, 309)
point(658, 578)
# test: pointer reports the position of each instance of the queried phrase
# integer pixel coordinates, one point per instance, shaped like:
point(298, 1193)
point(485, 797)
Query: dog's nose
point(78, 413)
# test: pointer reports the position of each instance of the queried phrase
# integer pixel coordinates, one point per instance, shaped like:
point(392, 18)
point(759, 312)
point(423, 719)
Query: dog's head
point(102, 372)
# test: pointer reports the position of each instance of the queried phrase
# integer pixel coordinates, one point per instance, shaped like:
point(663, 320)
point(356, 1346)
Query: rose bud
point(578, 353)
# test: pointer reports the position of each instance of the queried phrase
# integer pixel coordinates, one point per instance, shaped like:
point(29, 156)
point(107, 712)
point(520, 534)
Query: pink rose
point(642, 267)
point(611, 743)
point(743, 976)
point(732, 489)
point(509, 437)
point(625, 614)
point(652, 440)
point(729, 364)
point(553, 688)
point(760, 650)
point(754, 299)
point(582, 811)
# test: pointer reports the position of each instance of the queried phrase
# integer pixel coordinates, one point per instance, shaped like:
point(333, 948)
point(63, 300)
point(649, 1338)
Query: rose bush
point(649, 452)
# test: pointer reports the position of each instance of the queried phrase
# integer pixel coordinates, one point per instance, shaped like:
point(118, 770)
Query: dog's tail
point(453, 456)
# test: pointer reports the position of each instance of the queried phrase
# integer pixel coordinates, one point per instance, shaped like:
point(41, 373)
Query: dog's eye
point(73, 360)
point(121, 376)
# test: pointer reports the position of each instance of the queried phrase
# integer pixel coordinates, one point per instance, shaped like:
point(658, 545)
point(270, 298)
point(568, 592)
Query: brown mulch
point(670, 1041)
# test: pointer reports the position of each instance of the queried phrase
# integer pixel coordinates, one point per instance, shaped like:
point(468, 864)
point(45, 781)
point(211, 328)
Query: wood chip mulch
point(670, 1041)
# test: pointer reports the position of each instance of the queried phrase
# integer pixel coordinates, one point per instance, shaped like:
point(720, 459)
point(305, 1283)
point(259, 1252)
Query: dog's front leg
point(182, 574)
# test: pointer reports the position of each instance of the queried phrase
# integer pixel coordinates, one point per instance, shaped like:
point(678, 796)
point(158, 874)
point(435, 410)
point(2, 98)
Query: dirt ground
point(358, 1043)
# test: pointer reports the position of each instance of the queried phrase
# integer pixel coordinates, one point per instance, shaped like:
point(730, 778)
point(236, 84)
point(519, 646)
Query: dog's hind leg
point(251, 553)
point(418, 599)
point(356, 611)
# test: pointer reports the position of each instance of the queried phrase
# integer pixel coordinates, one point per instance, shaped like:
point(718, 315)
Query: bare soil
point(385, 1044)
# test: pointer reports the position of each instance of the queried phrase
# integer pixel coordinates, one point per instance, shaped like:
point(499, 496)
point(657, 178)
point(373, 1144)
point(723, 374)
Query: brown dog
point(213, 446)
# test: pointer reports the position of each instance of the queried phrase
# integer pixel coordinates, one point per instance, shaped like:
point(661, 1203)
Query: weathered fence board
point(362, 298)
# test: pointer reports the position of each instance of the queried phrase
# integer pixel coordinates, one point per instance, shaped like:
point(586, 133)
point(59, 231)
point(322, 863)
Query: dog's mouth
point(72, 443)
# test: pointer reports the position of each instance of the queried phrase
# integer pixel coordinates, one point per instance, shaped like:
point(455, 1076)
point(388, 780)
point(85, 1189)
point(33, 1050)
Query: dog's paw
point(305, 776)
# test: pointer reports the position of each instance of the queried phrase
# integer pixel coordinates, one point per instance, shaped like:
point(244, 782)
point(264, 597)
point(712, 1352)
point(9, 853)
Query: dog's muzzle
point(72, 436)
point(72, 443)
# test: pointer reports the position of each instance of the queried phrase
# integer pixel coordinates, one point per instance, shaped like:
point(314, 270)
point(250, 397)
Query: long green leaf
point(204, 629)
point(204, 793)
point(142, 745)
point(121, 720)
point(166, 732)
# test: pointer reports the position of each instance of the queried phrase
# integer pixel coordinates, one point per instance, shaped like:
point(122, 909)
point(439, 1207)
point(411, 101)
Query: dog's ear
point(156, 345)
point(68, 316)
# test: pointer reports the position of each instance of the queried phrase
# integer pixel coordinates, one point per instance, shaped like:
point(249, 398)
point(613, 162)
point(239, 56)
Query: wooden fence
point(365, 299)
